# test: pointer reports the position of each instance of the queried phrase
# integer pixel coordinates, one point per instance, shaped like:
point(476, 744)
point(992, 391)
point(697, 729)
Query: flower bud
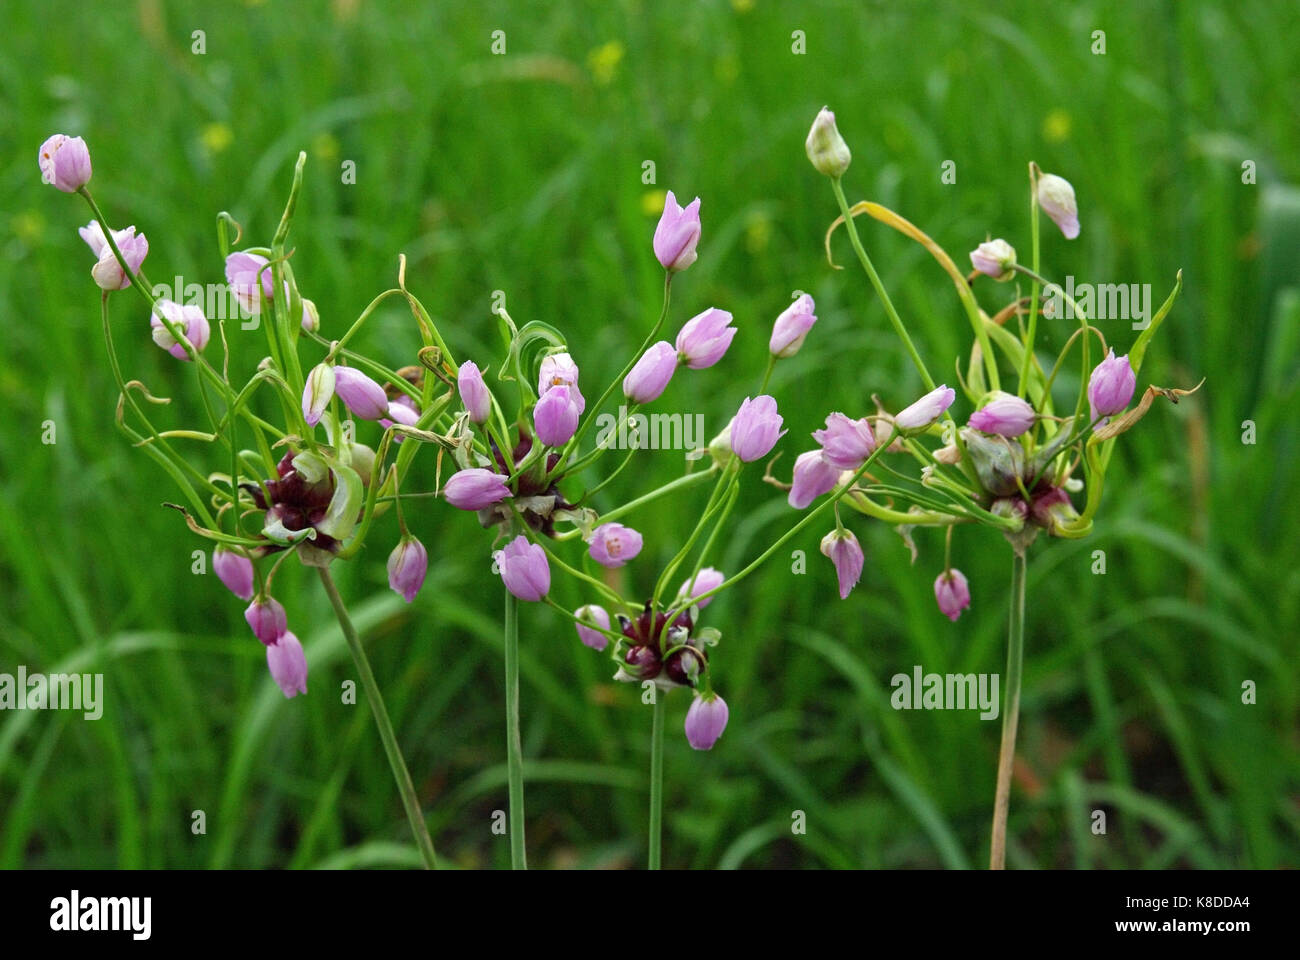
point(926, 410)
point(1004, 414)
point(756, 428)
point(705, 720)
point(677, 234)
point(244, 274)
point(641, 662)
point(826, 148)
point(559, 370)
point(555, 418)
point(107, 272)
point(613, 544)
point(474, 392)
point(720, 447)
point(952, 593)
point(64, 162)
point(843, 549)
point(475, 488)
point(403, 410)
point(192, 323)
point(363, 396)
point(813, 476)
point(1111, 386)
point(267, 619)
point(1053, 509)
point(846, 443)
point(234, 570)
point(994, 258)
point(524, 568)
point(407, 565)
point(310, 316)
point(705, 581)
point(597, 615)
point(791, 327)
point(317, 392)
point(683, 666)
point(288, 665)
point(704, 338)
point(649, 378)
point(1056, 198)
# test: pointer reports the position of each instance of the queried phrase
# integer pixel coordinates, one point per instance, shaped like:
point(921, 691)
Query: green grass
point(523, 173)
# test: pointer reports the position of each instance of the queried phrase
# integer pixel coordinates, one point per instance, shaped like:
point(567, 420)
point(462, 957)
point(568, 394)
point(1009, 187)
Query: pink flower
point(524, 568)
point(317, 393)
point(234, 570)
point(192, 323)
point(266, 618)
point(403, 410)
point(952, 593)
point(1111, 386)
point(756, 428)
point(705, 720)
point(407, 565)
point(926, 410)
point(64, 162)
point(1056, 198)
point(559, 370)
point(243, 273)
point(288, 665)
point(813, 476)
point(677, 234)
point(107, 272)
point(1005, 415)
point(613, 544)
point(704, 338)
point(474, 392)
point(843, 549)
point(363, 396)
point(649, 378)
point(555, 417)
point(846, 443)
point(597, 615)
point(705, 581)
point(475, 488)
point(994, 258)
point(792, 327)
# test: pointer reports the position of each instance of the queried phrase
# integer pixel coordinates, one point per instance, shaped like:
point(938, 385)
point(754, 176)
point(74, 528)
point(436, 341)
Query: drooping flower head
point(843, 549)
point(524, 568)
point(1056, 198)
point(360, 394)
point(407, 565)
point(994, 258)
point(191, 322)
point(555, 418)
point(597, 615)
point(107, 272)
point(266, 618)
point(234, 570)
point(846, 443)
point(706, 720)
point(475, 488)
point(288, 665)
point(952, 593)
point(926, 410)
point(813, 476)
point(317, 392)
point(706, 580)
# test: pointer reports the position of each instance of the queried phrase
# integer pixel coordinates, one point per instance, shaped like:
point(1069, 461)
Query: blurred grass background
point(523, 173)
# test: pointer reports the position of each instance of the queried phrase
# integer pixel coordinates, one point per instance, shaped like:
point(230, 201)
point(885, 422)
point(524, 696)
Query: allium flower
point(813, 476)
point(555, 417)
point(365, 398)
point(756, 428)
point(592, 613)
point(1005, 415)
point(107, 272)
point(559, 370)
point(926, 410)
point(288, 666)
point(474, 392)
point(706, 580)
point(994, 258)
point(704, 338)
point(234, 570)
point(1111, 386)
point(825, 147)
point(191, 321)
point(524, 568)
point(1056, 197)
point(952, 593)
point(475, 488)
point(843, 549)
point(846, 443)
point(243, 271)
point(792, 327)
point(649, 378)
point(705, 720)
point(64, 162)
point(677, 234)
point(613, 544)
point(403, 410)
point(407, 565)
point(266, 618)
point(317, 392)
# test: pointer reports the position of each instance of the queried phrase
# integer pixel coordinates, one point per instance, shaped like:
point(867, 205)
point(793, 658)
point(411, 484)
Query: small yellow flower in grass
point(1056, 126)
point(217, 137)
point(325, 148)
point(603, 62)
point(652, 202)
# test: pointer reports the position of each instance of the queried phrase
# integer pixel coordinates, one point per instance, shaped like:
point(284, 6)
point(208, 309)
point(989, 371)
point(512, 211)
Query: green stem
point(657, 780)
point(678, 484)
point(880, 287)
point(514, 747)
point(1023, 387)
point(1010, 714)
point(401, 775)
